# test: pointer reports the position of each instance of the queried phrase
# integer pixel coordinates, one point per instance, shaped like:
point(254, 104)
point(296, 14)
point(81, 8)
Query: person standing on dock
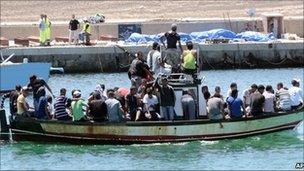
point(172, 55)
point(42, 28)
point(47, 30)
point(73, 27)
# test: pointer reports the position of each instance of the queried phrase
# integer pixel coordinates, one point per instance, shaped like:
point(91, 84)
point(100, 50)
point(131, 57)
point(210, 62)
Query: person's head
point(253, 88)
point(139, 55)
point(45, 16)
point(174, 27)
point(295, 82)
point(184, 92)
point(207, 95)
point(133, 90)
point(261, 89)
point(96, 96)
point(18, 88)
point(41, 16)
point(189, 45)
point(102, 86)
point(33, 78)
point(279, 86)
point(233, 86)
point(49, 99)
point(234, 93)
point(217, 90)
point(205, 89)
point(269, 88)
point(25, 91)
point(77, 94)
point(155, 45)
point(164, 81)
point(72, 92)
point(111, 93)
point(73, 16)
point(62, 92)
point(150, 92)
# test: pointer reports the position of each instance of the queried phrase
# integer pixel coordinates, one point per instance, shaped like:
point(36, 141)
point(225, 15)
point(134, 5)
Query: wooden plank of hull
point(174, 132)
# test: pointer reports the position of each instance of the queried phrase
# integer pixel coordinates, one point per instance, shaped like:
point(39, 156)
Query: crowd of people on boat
point(151, 102)
point(150, 96)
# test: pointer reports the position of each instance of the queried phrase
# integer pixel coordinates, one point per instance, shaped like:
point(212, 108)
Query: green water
point(275, 151)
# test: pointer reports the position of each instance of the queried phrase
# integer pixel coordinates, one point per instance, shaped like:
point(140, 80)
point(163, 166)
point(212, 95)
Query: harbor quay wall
point(82, 59)
point(291, 25)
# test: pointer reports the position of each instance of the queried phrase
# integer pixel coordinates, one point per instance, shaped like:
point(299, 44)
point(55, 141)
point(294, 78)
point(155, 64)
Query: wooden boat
point(154, 131)
point(150, 131)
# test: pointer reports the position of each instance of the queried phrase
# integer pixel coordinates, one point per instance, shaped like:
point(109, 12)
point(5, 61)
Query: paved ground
point(29, 11)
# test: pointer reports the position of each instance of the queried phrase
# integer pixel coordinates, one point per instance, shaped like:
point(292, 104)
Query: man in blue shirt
point(234, 105)
point(41, 111)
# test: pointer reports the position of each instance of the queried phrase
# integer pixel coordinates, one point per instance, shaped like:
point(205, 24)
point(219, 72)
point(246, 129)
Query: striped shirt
point(60, 107)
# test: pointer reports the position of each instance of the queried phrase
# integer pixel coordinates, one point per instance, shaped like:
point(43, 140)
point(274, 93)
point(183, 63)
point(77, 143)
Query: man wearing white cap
point(77, 107)
point(296, 95)
point(172, 55)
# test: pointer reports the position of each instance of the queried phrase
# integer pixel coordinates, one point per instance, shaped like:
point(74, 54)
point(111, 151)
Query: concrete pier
point(103, 58)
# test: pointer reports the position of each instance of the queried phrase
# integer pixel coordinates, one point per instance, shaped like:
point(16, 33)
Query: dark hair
point(96, 96)
point(280, 84)
point(184, 92)
point(294, 82)
point(234, 93)
point(111, 93)
point(189, 45)
point(217, 88)
point(261, 87)
point(33, 77)
point(49, 99)
point(268, 88)
point(41, 92)
point(207, 95)
point(115, 88)
point(63, 91)
point(233, 85)
point(254, 86)
point(155, 45)
point(18, 87)
point(73, 92)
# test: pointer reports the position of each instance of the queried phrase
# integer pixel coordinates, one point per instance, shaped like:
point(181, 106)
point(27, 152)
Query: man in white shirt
point(283, 98)
point(154, 58)
point(270, 101)
point(246, 94)
point(151, 105)
point(296, 95)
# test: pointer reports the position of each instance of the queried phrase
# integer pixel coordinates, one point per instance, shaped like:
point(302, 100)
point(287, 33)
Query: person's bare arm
point(180, 46)
point(162, 41)
point(50, 90)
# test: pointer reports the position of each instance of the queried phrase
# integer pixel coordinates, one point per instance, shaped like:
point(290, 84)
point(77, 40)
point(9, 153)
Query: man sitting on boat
point(296, 95)
point(114, 108)
point(235, 105)
point(270, 101)
point(60, 107)
point(150, 106)
point(283, 98)
point(23, 107)
point(215, 107)
point(97, 108)
point(132, 103)
point(257, 101)
point(13, 95)
point(77, 107)
point(42, 111)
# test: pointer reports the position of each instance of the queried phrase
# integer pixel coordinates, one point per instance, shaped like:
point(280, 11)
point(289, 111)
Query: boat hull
point(151, 132)
point(12, 74)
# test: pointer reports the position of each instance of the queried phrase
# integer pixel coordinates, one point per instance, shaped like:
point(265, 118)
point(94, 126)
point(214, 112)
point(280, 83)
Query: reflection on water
point(278, 150)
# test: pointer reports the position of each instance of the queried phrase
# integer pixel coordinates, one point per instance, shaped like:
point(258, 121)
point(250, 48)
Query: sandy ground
point(28, 11)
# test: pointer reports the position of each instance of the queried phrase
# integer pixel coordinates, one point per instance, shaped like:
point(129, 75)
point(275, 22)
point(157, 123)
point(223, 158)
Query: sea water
point(279, 150)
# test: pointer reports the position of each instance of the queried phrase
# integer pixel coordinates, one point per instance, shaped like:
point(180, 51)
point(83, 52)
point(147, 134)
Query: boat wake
point(299, 129)
point(204, 143)
point(160, 144)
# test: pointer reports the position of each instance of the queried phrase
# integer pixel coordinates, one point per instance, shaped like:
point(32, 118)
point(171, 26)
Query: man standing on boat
point(167, 99)
point(189, 65)
point(172, 55)
point(34, 85)
point(13, 95)
point(139, 70)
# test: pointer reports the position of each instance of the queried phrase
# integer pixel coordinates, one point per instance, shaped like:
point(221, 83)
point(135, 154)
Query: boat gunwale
point(164, 123)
